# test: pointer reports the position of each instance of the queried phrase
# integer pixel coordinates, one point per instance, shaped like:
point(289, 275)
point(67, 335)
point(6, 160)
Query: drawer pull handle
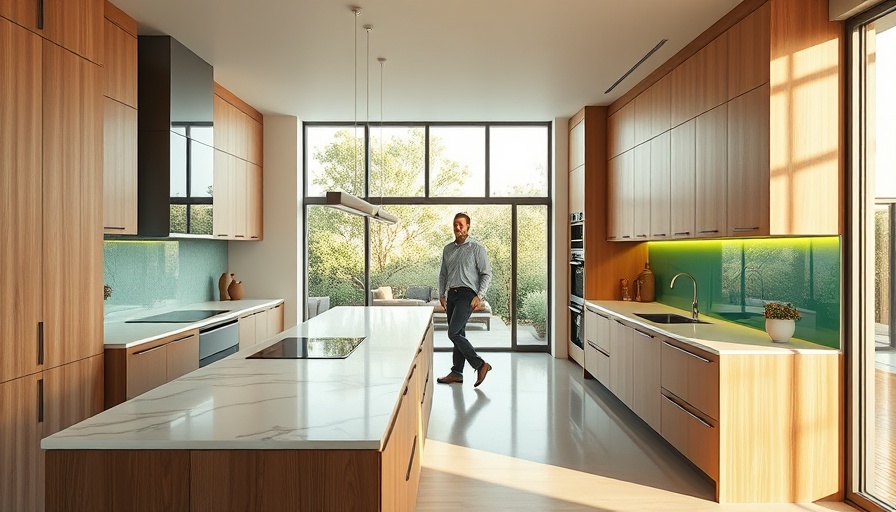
point(411, 460)
point(741, 230)
point(153, 349)
point(602, 351)
point(178, 340)
point(644, 334)
point(689, 413)
point(682, 232)
point(686, 352)
point(709, 231)
point(659, 234)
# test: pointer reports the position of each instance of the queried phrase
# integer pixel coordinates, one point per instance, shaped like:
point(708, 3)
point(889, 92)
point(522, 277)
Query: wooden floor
point(536, 436)
point(884, 438)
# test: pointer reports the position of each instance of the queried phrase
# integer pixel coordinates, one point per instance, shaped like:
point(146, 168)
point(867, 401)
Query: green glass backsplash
point(159, 273)
point(736, 277)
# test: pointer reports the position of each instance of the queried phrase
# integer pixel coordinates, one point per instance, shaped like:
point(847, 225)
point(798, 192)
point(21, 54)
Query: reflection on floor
point(536, 436)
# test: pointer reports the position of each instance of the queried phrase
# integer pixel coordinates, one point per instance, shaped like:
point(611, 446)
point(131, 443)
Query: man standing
point(463, 280)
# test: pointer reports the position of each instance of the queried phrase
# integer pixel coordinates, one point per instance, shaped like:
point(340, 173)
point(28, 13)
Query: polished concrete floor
point(537, 436)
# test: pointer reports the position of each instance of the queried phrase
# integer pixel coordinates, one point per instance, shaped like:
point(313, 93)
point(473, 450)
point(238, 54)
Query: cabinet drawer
point(692, 375)
point(597, 363)
point(695, 437)
point(147, 369)
point(183, 356)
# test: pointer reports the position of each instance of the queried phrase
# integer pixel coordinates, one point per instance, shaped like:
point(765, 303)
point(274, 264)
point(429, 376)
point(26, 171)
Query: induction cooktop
point(310, 348)
point(175, 317)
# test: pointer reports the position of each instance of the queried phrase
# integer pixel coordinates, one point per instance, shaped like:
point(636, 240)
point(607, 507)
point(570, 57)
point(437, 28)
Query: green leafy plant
point(781, 311)
point(107, 291)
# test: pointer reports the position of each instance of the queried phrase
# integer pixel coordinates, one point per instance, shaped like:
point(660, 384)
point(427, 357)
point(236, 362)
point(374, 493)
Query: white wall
point(270, 269)
point(560, 243)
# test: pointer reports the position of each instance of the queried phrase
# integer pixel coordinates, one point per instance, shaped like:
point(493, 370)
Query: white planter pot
point(780, 331)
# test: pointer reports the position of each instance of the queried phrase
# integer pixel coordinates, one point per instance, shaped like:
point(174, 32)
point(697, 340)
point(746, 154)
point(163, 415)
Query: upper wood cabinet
point(768, 99)
point(653, 110)
point(620, 197)
point(660, 187)
point(76, 25)
point(20, 201)
point(121, 56)
point(119, 168)
point(748, 52)
point(683, 175)
point(577, 189)
point(640, 192)
point(711, 178)
point(577, 147)
point(621, 130)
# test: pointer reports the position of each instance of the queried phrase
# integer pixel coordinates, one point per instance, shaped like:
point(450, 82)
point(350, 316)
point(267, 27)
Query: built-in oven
point(577, 277)
point(577, 230)
point(576, 325)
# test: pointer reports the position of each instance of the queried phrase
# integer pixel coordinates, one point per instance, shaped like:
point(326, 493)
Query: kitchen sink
point(669, 318)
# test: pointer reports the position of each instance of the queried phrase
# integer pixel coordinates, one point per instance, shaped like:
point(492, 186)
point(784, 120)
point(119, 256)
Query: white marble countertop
point(276, 404)
point(717, 336)
point(119, 334)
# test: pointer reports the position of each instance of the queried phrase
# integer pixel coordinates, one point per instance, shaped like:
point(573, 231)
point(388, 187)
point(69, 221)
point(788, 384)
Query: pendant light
point(343, 200)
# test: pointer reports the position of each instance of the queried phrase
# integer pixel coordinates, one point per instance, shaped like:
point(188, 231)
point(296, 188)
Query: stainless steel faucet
point(695, 311)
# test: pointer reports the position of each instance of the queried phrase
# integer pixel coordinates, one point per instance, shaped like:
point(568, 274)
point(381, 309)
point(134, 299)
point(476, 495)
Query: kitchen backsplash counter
point(717, 336)
point(117, 333)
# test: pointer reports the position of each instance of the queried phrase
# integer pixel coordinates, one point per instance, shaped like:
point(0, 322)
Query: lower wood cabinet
point(621, 361)
point(597, 346)
point(260, 325)
point(133, 371)
point(646, 377)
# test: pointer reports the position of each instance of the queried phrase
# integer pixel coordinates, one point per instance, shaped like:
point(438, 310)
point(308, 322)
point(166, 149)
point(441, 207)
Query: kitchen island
point(265, 434)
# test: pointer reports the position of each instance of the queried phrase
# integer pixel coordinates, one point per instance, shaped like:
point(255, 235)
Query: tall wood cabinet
point(120, 123)
point(238, 197)
point(51, 265)
point(71, 24)
point(766, 93)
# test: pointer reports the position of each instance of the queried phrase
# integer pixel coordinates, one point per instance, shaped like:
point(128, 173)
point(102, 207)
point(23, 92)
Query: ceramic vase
point(235, 289)
point(779, 331)
point(223, 283)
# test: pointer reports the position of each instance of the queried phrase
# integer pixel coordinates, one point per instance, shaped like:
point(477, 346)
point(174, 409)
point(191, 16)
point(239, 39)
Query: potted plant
point(780, 318)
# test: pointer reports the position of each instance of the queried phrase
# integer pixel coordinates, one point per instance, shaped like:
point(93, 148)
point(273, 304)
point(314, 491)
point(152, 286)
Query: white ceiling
point(454, 60)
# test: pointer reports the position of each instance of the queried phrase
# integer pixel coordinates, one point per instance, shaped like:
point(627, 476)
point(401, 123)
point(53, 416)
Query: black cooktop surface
point(174, 317)
point(315, 347)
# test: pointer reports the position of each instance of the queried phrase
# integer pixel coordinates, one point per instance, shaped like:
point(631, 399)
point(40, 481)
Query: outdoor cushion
point(383, 292)
point(423, 293)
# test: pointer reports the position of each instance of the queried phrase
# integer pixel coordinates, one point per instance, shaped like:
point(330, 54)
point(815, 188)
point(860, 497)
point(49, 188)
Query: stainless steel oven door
point(576, 326)
point(577, 279)
point(218, 342)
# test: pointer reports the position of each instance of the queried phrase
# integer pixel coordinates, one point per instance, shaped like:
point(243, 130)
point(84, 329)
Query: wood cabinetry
point(120, 124)
point(621, 340)
point(773, 163)
point(238, 179)
point(646, 370)
point(683, 175)
point(711, 184)
point(620, 197)
point(20, 199)
point(133, 371)
point(21, 466)
point(260, 325)
point(597, 346)
point(640, 192)
point(76, 25)
point(660, 193)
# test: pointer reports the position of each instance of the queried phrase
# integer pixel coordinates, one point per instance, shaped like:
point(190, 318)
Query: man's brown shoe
point(451, 378)
point(481, 372)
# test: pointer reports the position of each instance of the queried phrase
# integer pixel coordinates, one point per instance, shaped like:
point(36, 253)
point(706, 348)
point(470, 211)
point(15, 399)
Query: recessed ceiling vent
point(645, 57)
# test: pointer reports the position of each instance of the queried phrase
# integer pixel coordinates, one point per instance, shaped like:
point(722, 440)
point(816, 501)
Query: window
point(425, 173)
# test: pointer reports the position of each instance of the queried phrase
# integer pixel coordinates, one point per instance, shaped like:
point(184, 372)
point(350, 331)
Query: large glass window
point(425, 173)
point(873, 482)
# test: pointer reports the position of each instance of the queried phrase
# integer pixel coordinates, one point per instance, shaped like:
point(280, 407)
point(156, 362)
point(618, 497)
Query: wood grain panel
point(275, 320)
point(748, 52)
point(147, 369)
point(646, 386)
point(748, 171)
point(642, 116)
point(72, 393)
point(754, 407)
point(807, 139)
point(120, 64)
point(711, 79)
point(21, 464)
point(256, 141)
point(224, 220)
point(183, 355)
point(711, 183)
point(115, 377)
point(21, 12)
point(76, 25)
point(238, 480)
point(247, 330)
point(241, 194)
point(640, 193)
point(119, 168)
point(238, 103)
point(118, 480)
point(621, 131)
point(660, 187)
point(120, 18)
point(72, 191)
point(254, 202)
point(620, 176)
point(817, 423)
point(20, 199)
point(661, 111)
point(683, 171)
point(576, 145)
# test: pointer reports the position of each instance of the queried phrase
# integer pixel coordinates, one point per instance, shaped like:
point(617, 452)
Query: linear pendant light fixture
point(343, 200)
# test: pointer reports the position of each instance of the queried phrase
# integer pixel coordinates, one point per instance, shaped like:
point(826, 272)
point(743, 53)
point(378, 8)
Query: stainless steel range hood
point(175, 141)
